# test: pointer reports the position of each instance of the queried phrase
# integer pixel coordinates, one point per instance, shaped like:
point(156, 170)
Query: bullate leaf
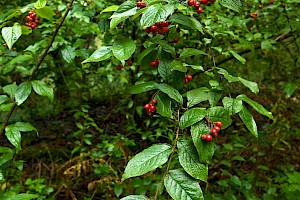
point(68, 54)
point(41, 88)
point(191, 117)
point(249, 121)
point(171, 92)
point(235, 5)
point(102, 53)
point(219, 113)
point(23, 92)
point(147, 160)
point(232, 105)
point(196, 96)
point(123, 48)
point(187, 52)
point(181, 186)
point(11, 34)
point(163, 105)
point(156, 13)
point(143, 87)
point(135, 197)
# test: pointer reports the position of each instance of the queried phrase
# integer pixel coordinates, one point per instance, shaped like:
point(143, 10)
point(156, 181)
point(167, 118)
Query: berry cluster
point(197, 4)
point(253, 15)
point(188, 78)
point(33, 21)
point(154, 63)
point(215, 130)
point(150, 107)
point(158, 27)
point(141, 4)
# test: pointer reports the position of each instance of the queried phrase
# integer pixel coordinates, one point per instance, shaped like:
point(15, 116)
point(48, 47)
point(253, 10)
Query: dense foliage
point(150, 99)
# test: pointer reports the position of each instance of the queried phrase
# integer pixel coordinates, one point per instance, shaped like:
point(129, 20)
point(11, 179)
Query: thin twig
point(38, 64)
point(171, 157)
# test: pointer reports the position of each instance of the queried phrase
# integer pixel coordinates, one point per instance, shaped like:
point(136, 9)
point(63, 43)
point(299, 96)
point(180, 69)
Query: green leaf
point(181, 186)
point(187, 21)
point(156, 13)
point(6, 107)
point(226, 75)
point(197, 25)
point(219, 113)
point(14, 136)
point(40, 4)
point(166, 47)
point(249, 84)
point(24, 127)
point(115, 21)
point(10, 89)
point(25, 196)
point(205, 149)
point(110, 9)
point(68, 53)
point(238, 57)
point(3, 98)
point(232, 105)
point(11, 34)
point(147, 160)
point(191, 117)
point(235, 5)
point(102, 53)
point(249, 121)
point(45, 12)
point(171, 92)
point(135, 197)
point(176, 65)
point(23, 92)
point(187, 52)
point(290, 88)
point(196, 96)
point(189, 160)
point(145, 53)
point(215, 96)
point(41, 88)
point(123, 48)
point(128, 8)
point(163, 105)
point(165, 69)
point(259, 108)
point(143, 87)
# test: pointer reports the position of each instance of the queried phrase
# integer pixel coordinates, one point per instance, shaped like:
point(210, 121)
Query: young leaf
point(23, 92)
point(249, 84)
point(249, 121)
point(135, 197)
point(24, 127)
point(191, 117)
point(102, 53)
point(205, 149)
point(232, 105)
point(187, 52)
point(226, 75)
point(235, 5)
point(189, 160)
point(147, 160)
point(11, 34)
point(176, 65)
point(171, 92)
point(123, 48)
point(45, 12)
point(259, 108)
point(40, 4)
point(156, 13)
point(68, 53)
point(110, 9)
point(3, 98)
point(196, 96)
point(114, 22)
point(14, 136)
point(128, 8)
point(143, 87)
point(219, 113)
point(41, 88)
point(181, 186)
point(238, 57)
point(163, 105)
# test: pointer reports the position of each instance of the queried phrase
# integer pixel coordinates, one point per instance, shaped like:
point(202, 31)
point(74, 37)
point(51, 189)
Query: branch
point(38, 64)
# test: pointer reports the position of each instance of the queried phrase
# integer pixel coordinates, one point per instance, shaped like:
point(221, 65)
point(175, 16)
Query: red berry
point(191, 2)
point(27, 24)
point(153, 63)
point(253, 15)
point(165, 24)
point(199, 10)
point(160, 31)
point(219, 124)
point(143, 4)
point(33, 15)
point(154, 29)
point(119, 67)
point(37, 20)
point(175, 40)
point(208, 138)
point(203, 136)
point(217, 128)
point(157, 62)
point(189, 77)
point(165, 29)
point(204, 1)
point(197, 4)
point(216, 134)
point(211, 1)
point(33, 25)
point(154, 101)
point(29, 18)
point(260, 6)
point(147, 106)
point(153, 108)
point(30, 12)
point(186, 81)
point(129, 62)
point(138, 4)
point(148, 30)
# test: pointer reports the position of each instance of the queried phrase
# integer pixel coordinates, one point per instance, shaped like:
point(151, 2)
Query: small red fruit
point(129, 62)
point(253, 15)
point(219, 124)
point(157, 62)
point(186, 81)
point(199, 10)
point(143, 4)
point(189, 77)
point(216, 134)
point(29, 18)
point(148, 30)
point(203, 136)
point(33, 15)
point(33, 25)
point(37, 20)
point(154, 29)
point(175, 40)
point(217, 128)
point(165, 29)
point(208, 138)
point(197, 4)
point(191, 2)
point(204, 1)
point(153, 108)
point(147, 106)
point(260, 6)
point(165, 24)
point(30, 12)
point(27, 24)
point(154, 101)
point(119, 67)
